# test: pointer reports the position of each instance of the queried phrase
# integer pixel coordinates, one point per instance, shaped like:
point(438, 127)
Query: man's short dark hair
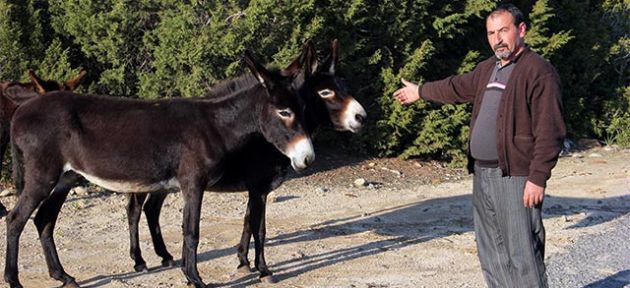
point(510, 8)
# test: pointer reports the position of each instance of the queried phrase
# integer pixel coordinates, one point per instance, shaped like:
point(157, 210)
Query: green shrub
point(166, 48)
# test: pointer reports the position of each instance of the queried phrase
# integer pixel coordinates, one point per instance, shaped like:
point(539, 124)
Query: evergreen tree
point(538, 37)
point(21, 38)
point(168, 48)
point(12, 59)
point(109, 33)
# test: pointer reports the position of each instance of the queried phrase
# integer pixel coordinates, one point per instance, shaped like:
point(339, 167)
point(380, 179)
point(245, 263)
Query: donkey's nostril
point(360, 118)
point(308, 160)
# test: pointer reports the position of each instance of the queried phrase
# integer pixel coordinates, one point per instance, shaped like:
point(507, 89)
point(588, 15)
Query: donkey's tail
point(18, 171)
point(4, 140)
point(18, 168)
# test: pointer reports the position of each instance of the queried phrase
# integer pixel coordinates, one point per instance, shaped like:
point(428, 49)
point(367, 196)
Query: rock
point(595, 155)
point(398, 173)
point(80, 190)
point(588, 143)
point(567, 147)
point(359, 182)
point(323, 189)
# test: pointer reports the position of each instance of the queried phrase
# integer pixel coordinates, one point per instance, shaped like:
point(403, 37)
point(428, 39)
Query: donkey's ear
point(261, 73)
point(293, 69)
point(73, 83)
point(310, 61)
point(332, 61)
point(37, 82)
point(307, 60)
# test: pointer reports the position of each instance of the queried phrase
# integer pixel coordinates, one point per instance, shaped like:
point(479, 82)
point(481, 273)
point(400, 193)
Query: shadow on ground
point(619, 280)
point(405, 225)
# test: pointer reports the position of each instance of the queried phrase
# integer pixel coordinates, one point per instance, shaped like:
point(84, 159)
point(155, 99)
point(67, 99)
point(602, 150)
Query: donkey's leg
point(193, 195)
point(34, 192)
point(45, 221)
point(243, 246)
point(258, 199)
point(152, 211)
point(134, 210)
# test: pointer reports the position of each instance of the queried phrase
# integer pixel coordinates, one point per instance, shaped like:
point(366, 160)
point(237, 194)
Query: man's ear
point(522, 29)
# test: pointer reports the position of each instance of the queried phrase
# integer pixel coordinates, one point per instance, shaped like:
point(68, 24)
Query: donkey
point(162, 144)
point(258, 167)
point(13, 94)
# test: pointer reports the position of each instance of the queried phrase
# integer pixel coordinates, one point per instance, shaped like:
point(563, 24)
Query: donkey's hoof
point(141, 268)
point(244, 270)
point(170, 263)
point(71, 284)
point(193, 285)
point(14, 284)
point(269, 279)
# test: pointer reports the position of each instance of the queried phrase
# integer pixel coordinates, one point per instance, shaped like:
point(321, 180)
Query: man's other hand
point(533, 195)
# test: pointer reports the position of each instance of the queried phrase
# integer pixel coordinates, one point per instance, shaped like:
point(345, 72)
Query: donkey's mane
point(230, 86)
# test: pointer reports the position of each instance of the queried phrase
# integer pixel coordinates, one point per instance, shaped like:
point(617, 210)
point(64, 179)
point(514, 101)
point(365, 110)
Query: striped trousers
point(510, 238)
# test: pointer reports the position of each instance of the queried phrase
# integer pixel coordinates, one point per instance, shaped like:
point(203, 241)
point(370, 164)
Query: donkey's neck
point(238, 114)
point(231, 87)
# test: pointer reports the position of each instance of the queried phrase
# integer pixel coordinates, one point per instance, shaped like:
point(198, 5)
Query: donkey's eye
point(285, 113)
point(326, 93)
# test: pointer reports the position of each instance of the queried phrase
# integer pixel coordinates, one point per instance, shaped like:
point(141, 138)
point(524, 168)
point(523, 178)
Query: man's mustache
point(502, 45)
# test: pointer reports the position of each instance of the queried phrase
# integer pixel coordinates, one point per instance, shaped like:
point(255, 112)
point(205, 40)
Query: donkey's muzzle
point(354, 116)
point(301, 153)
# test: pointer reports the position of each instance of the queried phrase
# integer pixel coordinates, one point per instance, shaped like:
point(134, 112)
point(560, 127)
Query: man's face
point(505, 38)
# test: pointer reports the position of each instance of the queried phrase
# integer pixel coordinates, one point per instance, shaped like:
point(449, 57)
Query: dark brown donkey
point(258, 167)
point(163, 144)
point(13, 94)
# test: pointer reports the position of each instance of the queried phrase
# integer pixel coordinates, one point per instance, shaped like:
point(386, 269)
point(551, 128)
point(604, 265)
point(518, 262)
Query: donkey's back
point(117, 143)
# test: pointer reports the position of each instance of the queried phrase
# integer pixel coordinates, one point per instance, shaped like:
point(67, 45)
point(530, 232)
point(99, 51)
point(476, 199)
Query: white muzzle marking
point(350, 122)
point(301, 153)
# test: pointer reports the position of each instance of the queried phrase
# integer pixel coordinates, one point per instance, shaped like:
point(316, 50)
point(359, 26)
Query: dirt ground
point(405, 224)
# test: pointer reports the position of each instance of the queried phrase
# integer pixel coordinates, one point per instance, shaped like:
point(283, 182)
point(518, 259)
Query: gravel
point(599, 260)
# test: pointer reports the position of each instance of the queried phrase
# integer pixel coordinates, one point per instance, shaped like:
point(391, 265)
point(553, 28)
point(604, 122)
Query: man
point(517, 133)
